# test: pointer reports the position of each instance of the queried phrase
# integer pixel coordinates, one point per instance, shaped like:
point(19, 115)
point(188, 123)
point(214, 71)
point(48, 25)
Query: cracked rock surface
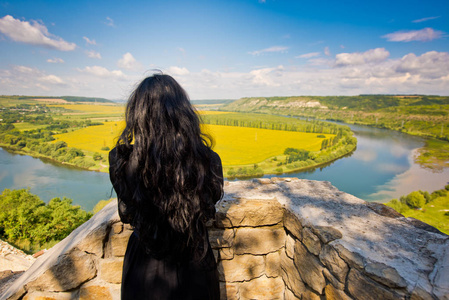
point(278, 238)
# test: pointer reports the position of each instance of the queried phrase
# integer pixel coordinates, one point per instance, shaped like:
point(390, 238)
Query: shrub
point(97, 156)
point(29, 222)
point(415, 200)
point(59, 145)
point(76, 152)
point(231, 172)
point(398, 206)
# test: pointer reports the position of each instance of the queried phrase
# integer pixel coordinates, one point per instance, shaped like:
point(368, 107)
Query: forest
point(30, 224)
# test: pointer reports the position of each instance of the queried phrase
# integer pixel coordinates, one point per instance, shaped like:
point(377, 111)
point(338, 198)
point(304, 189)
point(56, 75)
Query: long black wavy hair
point(174, 180)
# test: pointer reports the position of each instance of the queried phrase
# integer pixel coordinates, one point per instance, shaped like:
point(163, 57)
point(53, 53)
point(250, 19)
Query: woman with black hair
point(167, 180)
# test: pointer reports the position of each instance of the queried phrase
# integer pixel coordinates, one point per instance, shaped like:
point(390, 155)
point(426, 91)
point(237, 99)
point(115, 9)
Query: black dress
point(148, 276)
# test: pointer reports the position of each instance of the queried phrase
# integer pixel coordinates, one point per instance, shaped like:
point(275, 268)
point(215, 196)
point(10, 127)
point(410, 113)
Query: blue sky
point(225, 49)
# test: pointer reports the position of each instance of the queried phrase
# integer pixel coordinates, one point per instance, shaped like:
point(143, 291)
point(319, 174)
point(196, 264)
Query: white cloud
point(23, 80)
point(109, 22)
point(128, 62)
point(102, 72)
point(423, 35)
point(366, 72)
point(327, 52)
point(425, 19)
point(356, 58)
point(93, 54)
point(266, 76)
point(52, 79)
point(89, 41)
point(321, 62)
point(177, 71)
point(308, 55)
point(280, 49)
point(33, 33)
point(372, 71)
point(55, 60)
point(429, 65)
point(24, 69)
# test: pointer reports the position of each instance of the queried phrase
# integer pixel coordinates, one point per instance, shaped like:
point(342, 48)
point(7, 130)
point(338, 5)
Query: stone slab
point(260, 240)
point(248, 213)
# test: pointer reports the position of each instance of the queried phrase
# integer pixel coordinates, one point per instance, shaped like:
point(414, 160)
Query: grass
point(28, 126)
point(92, 108)
point(435, 213)
point(434, 155)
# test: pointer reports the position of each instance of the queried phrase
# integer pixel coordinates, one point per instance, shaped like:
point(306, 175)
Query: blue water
point(379, 156)
point(380, 169)
point(48, 180)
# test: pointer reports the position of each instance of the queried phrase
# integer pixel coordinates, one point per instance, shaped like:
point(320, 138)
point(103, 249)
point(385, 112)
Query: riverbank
point(418, 115)
point(49, 180)
point(271, 165)
point(377, 165)
point(268, 167)
point(433, 155)
point(24, 151)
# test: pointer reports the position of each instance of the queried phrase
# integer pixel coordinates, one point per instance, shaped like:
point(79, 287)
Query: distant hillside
point(75, 99)
point(66, 98)
point(211, 101)
point(366, 103)
point(423, 115)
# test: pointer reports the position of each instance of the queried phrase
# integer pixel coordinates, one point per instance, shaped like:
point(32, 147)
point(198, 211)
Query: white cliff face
point(296, 104)
point(273, 239)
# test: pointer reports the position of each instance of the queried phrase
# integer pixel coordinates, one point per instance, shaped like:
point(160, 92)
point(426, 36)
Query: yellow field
point(93, 138)
point(243, 145)
point(113, 109)
point(212, 112)
point(93, 109)
point(235, 145)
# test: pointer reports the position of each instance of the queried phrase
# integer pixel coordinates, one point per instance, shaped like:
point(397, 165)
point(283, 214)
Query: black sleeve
point(217, 169)
point(125, 210)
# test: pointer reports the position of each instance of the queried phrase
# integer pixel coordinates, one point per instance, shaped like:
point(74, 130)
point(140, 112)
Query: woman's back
point(167, 181)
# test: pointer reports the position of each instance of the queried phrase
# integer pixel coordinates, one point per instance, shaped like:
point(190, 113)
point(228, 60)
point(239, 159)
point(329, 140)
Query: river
point(49, 180)
point(380, 169)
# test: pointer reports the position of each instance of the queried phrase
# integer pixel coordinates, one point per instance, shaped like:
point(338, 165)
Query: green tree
point(415, 200)
point(76, 152)
point(59, 145)
point(97, 156)
point(26, 218)
point(18, 213)
point(397, 206)
point(231, 172)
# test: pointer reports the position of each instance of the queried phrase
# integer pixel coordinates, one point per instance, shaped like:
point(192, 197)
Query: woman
point(167, 180)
